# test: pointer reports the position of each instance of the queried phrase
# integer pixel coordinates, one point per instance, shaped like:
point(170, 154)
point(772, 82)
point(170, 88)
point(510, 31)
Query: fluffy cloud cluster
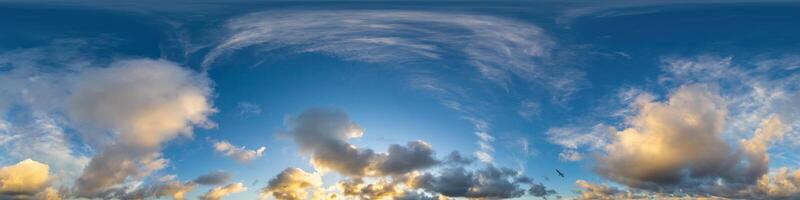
point(489, 182)
point(238, 153)
point(381, 189)
point(130, 116)
point(601, 192)
point(26, 179)
point(323, 135)
point(782, 184)
point(123, 112)
point(292, 184)
point(676, 146)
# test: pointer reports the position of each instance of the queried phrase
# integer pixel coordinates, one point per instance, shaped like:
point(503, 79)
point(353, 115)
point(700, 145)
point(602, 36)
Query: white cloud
point(238, 153)
point(575, 139)
point(155, 101)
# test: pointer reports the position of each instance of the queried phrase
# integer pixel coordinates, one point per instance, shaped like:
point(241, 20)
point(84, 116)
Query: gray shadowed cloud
point(323, 134)
point(213, 178)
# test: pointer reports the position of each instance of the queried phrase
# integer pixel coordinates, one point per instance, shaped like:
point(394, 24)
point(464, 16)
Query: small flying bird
point(559, 173)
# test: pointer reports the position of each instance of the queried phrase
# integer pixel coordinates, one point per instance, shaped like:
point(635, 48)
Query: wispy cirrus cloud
point(499, 51)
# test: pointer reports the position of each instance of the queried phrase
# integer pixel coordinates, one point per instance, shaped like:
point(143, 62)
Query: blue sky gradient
point(530, 87)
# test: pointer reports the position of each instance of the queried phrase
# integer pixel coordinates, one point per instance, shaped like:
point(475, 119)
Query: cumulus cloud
point(670, 140)
point(382, 189)
point(601, 192)
point(238, 153)
point(154, 102)
point(131, 116)
point(489, 182)
point(323, 134)
point(291, 184)
point(24, 179)
point(403, 159)
point(213, 178)
point(539, 190)
point(677, 146)
point(781, 184)
point(217, 193)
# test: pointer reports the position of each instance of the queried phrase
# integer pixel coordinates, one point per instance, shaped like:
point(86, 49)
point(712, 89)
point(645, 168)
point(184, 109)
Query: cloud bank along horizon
point(449, 102)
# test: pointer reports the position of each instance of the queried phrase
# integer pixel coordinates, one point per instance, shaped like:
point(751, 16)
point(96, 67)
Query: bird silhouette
point(559, 173)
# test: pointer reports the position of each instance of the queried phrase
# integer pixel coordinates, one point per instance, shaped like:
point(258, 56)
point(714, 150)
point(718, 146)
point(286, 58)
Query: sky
point(380, 100)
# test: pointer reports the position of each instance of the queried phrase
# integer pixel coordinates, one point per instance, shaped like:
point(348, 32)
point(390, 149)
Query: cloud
point(291, 184)
point(154, 102)
point(131, 116)
point(575, 138)
point(403, 159)
point(248, 109)
point(500, 49)
point(677, 146)
point(489, 182)
point(166, 188)
point(175, 189)
point(668, 141)
point(219, 192)
point(485, 147)
point(781, 184)
point(595, 191)
point(455, 158)
point(382, 189)
point(24, 179)
point(539, 190)
point(33, 85)
point(323, 134)
point(529, 109)
point(213, 178)
point(239, 154)
point(500, 52)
